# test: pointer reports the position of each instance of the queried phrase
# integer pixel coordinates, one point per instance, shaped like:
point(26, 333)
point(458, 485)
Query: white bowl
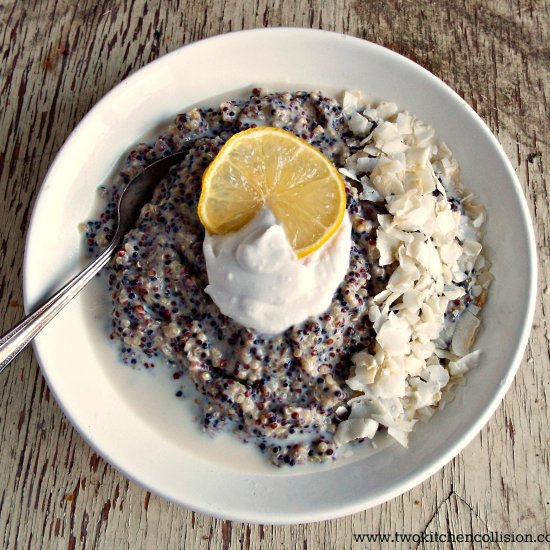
point(130, 418)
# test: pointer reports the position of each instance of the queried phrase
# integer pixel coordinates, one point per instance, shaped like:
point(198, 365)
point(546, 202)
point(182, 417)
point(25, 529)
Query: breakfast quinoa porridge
point(397, 335)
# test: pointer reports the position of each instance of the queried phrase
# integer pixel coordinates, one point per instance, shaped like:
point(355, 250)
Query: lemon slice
point(270, 167)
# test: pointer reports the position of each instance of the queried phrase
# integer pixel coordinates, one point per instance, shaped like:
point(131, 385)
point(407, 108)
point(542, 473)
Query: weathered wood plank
point(58, 58)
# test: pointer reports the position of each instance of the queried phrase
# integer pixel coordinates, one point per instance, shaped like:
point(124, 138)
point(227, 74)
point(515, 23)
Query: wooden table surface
point(58, 57)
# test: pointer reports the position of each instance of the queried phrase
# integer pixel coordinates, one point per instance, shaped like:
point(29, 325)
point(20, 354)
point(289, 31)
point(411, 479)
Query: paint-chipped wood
point(57, 58)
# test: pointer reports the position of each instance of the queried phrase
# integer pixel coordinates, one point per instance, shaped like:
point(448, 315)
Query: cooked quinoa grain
point(280, 392)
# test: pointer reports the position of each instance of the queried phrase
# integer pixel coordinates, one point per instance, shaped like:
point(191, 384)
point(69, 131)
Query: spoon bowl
point(134, 196)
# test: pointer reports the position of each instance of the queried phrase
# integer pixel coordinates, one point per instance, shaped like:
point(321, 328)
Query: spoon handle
point(16, 339)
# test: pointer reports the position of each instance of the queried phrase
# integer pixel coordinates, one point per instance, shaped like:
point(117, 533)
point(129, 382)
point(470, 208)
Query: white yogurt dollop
point(256, 278)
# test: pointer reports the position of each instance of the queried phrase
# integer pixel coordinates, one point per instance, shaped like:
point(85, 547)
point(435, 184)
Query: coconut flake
point(365, 372)
point(355, 428)
point(387, 138)
point(404, 122)
point(350, 101)
point(359, 125)
point(387, 176)
point(349, 174)
point(464, 364)
point(369, 193)
point(464, 334)
point(386, 110)
point(388, 247)
point(394, 336)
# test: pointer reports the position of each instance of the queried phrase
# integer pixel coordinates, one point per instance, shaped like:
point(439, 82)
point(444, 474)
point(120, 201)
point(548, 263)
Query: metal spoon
point(133, 197)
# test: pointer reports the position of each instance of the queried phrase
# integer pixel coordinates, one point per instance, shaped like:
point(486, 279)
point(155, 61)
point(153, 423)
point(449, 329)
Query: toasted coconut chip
point(394, 335)
point(464, 364)
point(387, 138)
point(443, 151)
point(365, 371)
point(423, 134)
point(366, 164)
point(412, 211)
point(446, 223)
point(444, 354)
point(394, 423)
point(375, 317)
point(421, 180)
point(453, 292)
point(355, 428)
point(427, 387)
point(413, 299)
point(359, 125)
point(405, 275)
point(348, 174)
point(404, 122)
point(386, 110)
point(341, 411)
point(422, 350)
point(387, 176)
point(390, 379)
point(403, 279)
point(464, 334)
point(350, 101)
point(426, 256)
point(370, 149)
point(417, 158)
point(360, 407)
point(382, 296)
point(476, 291)
point(450, 253)
point(388, 225)
point(471, 248)
point(459, 276)
point(351, 162)
point(369, 193)
point(414, 366)
point(388, 247)
point(479, 221)
point(392, 407)
point(449, 168)
point(430, 323)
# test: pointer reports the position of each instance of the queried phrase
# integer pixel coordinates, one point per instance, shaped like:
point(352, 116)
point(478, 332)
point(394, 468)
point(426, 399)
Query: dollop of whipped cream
point(256, 278)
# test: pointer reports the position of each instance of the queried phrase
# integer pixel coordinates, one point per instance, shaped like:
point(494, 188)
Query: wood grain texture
point(58, 57)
